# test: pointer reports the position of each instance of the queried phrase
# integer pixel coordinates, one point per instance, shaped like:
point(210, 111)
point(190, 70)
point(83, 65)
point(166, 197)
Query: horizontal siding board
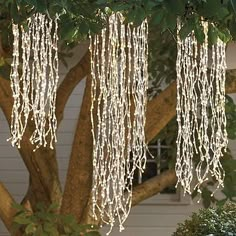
point(165, 209)
point(12, 176)
point(8, 152)
point(140, 231)
point(65, 139)
point(154, 220)
point(67, 126)
point(17, 189)
point(18, 164)
point(3, 230)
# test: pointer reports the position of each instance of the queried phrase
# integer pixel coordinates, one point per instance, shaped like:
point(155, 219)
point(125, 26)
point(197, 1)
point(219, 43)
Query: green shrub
point(47, 222)
point(219, 221)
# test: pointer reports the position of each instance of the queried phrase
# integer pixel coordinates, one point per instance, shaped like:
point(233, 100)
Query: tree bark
point(79, 175)
point(153, 186)
point(6, 211)
point(161, 109)
point(42, 164)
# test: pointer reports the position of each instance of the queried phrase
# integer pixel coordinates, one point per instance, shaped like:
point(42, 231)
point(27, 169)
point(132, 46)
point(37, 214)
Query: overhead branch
point(162, 108)
point(153, 186)
point(6, 211)
point(160, 111)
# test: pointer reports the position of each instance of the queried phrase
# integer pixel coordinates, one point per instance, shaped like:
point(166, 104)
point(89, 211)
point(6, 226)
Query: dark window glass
point(157, 162)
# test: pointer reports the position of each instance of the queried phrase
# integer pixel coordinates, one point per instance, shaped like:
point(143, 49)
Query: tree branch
point(153, 186)
point(6, 211)
point(161, 109)
point(79, 174)
point(42, 164)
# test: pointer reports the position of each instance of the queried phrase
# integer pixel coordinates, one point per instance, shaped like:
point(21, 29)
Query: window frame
point(177, 198)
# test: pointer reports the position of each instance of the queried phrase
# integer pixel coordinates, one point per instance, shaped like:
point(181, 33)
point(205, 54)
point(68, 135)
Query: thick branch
point(72, 79)
point(79, 176)
point(161, 109)
point(42, 164)
point(6, 211)
point(153, 186)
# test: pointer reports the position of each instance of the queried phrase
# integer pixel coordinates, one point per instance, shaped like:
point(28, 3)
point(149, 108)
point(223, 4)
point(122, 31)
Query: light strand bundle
point(34, 78)
point(200, 110)
point(119, 86)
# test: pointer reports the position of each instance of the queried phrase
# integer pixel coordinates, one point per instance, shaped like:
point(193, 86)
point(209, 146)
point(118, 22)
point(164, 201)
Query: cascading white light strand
point(119, 86)
point(34, 84)
point(200, 110)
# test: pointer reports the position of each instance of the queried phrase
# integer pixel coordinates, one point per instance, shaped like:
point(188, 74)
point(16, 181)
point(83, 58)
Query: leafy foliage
point(77, 18)
point(47, 222)
point(218, 221)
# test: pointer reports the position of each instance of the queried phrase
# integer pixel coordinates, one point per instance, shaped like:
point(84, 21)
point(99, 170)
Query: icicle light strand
point(119, 85)
point(34, 90)
point(200, 110)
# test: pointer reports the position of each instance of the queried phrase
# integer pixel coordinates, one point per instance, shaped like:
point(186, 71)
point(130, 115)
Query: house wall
point(153, 218)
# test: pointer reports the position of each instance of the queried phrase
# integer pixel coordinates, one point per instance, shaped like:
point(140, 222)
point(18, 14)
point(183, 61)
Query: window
point(157, 161)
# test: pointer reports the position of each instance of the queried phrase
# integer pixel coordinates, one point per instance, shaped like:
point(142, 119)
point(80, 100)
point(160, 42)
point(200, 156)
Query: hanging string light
point(200, 110)
point(34, 78)
point(119, 85)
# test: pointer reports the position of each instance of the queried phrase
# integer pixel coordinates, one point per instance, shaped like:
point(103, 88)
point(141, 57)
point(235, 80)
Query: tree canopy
point(78, 18)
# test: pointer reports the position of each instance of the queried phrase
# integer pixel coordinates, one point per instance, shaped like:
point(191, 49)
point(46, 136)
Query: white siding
point(154, 220)
point(151, 219)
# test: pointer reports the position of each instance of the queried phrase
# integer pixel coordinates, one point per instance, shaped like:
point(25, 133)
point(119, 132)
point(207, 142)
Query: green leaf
point(175, 6)
point(140, 15)
point(221, 203)
point(148, 5)
point(53, 206)
point(41, 6)
point(83, 28)
point(169, 22)
point(22, 219)
point(17, 206)
point(68, 219)
point(32, 2)
point(120, 7)
point(213, 34)
point(224, 35)
point(186, 30)
point(67, 229)
point(51, 229)
point(67, 33)
point(31, 228)
point(14, 12)
point(157, 17)
point(199, 33)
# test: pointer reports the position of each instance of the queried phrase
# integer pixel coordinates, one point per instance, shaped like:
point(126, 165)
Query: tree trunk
point(79, 176)
point(42, 164)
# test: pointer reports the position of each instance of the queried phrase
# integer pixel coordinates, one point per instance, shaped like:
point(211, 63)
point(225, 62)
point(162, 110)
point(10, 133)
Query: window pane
point(158, 159)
